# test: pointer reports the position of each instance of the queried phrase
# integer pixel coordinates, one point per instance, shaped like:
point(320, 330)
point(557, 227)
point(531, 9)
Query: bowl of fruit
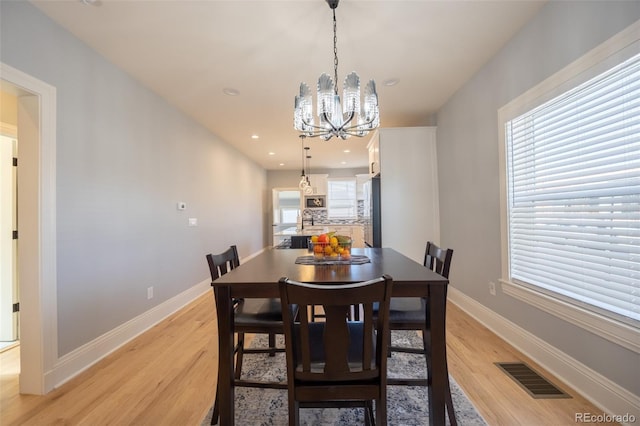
point(330, 246)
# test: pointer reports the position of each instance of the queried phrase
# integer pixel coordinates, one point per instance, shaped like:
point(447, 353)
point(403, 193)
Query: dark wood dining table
point(259, 277)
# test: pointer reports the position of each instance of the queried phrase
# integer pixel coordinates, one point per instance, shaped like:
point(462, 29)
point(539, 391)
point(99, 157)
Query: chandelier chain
point(335, 52)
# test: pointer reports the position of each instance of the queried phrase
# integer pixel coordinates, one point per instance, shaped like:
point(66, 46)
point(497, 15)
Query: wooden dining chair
point(337, 362)
point(257, 316)
point(410, 313)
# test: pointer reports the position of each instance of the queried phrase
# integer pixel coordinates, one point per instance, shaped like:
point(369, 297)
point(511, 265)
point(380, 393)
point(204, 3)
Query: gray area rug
point(406, 405)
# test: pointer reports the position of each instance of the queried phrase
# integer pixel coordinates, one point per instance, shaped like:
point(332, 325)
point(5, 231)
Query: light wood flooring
point(167, 377)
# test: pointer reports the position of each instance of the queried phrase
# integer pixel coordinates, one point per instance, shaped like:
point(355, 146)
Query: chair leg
point(448, 398)
point(272, 344)
point(368, 414)
point(216, 407)
point(294, 413)
point(450, 411)
point(381, 410)
point(239, 355)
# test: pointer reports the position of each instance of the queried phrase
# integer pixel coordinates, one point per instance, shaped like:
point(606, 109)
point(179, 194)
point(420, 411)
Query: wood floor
point(167, 377)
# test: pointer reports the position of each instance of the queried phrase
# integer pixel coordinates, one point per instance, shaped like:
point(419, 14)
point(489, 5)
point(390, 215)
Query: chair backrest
point(337, 349)
point(220, 264)
point(438, 259)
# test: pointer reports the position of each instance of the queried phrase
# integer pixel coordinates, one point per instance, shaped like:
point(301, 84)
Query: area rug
point(406, 405)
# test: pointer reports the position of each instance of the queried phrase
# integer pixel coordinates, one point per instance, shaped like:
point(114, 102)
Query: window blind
point(573, 167)
point(341, 198)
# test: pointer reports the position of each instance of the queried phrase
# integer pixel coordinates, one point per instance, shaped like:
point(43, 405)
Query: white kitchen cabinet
point(374, 154)
point(355, 232)
point(360, 181)
point(318, 183)
point(409, 189)
point(357, 236)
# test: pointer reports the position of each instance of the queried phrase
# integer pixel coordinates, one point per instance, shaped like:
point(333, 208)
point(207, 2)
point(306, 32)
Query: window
point(341, 198)
point(571, 202)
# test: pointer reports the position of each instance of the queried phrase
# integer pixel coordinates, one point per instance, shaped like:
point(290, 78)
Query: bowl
point(327, 251)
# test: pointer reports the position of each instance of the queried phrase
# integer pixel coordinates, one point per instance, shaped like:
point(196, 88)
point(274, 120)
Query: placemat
point(356, 259)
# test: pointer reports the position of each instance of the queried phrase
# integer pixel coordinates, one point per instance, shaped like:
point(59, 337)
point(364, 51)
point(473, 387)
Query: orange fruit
point(314, 238)
point(328, 250)
point(322, 238)
point(318, 248)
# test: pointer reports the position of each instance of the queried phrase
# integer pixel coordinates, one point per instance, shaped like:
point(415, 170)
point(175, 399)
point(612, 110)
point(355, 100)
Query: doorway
point(36, 249)
point(286, 213)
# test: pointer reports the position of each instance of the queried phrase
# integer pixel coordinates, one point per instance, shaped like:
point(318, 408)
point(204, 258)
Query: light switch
point(193, 221)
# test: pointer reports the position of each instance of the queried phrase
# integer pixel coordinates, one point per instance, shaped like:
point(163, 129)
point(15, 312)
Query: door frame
point(37, 242)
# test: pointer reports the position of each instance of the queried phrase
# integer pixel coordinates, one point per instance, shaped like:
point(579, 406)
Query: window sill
point(617, 332)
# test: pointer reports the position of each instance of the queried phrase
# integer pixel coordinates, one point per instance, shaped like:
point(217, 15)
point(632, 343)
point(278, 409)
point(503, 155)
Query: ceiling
point(190, 51)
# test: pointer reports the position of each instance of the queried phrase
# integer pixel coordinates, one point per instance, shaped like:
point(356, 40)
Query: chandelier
point(305, 184)
point(341, 119)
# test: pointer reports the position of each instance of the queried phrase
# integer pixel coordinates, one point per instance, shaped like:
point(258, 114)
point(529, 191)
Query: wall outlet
point(492, 288)
point(149, 293)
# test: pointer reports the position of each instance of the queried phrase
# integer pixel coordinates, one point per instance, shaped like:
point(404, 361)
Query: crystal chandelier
point(305, 184)
point(349, 118)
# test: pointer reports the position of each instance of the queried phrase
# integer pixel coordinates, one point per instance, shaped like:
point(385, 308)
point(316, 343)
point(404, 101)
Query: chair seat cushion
point(407, 309)
point(252, 311)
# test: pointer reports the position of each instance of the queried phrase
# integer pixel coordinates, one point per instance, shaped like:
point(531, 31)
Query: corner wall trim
point(75, 362)
point(602, 392)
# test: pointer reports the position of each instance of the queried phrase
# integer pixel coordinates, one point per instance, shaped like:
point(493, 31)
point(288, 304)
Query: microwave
point(315, 202)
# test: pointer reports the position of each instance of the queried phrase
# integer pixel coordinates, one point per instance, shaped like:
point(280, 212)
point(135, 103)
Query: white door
point(8, 244)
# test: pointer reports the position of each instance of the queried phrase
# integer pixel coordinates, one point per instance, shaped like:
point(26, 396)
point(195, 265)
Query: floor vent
point(532, 382)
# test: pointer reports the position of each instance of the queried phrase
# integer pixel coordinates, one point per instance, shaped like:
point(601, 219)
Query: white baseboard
point(75, 362)
point(602, 392)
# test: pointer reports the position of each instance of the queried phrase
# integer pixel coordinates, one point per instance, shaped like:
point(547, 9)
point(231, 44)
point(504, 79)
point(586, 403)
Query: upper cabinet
point(318, 184)
point(360, 181)
point(374, 154)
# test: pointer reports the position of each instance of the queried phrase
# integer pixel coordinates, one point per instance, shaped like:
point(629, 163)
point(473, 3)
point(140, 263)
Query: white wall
point(469, 173)
point(409, 189)
point(125, 158)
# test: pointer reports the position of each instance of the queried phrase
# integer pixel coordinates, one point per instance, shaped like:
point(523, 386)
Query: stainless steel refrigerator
point(373, 222)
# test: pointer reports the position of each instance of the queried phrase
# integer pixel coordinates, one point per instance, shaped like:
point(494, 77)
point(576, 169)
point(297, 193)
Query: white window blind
point(341, 198)
point(573, 167)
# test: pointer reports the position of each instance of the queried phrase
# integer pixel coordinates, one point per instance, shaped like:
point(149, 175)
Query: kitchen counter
point(297, 236)
point(307, 231)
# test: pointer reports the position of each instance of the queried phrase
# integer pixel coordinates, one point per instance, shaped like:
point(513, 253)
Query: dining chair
point(257, 316)
point(337, 362)
point(410, 313)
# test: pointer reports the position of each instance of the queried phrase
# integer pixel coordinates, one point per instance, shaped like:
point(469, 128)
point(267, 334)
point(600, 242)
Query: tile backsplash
point(320, 217)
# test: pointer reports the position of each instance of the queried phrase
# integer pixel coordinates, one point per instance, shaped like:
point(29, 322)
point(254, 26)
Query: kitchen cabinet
point(355, 232)
point(374, 154)
point(357, 236)
point(360, 181)
point(409, 209)
point(318, 183)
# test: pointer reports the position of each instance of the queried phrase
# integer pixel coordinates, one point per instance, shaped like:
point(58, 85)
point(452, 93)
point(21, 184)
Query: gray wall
point(469, 171)
point(124, 159)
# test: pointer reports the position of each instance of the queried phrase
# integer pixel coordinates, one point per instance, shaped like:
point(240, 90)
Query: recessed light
point(390, 82)
point(281, 164)
point(230, 91)
point(255, 137)
point(272, 153)
point(346, 151)
point(91, 2)
point(343, 162)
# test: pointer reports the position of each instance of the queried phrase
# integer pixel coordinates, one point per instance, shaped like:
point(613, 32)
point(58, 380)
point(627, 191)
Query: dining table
point(258, 278)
